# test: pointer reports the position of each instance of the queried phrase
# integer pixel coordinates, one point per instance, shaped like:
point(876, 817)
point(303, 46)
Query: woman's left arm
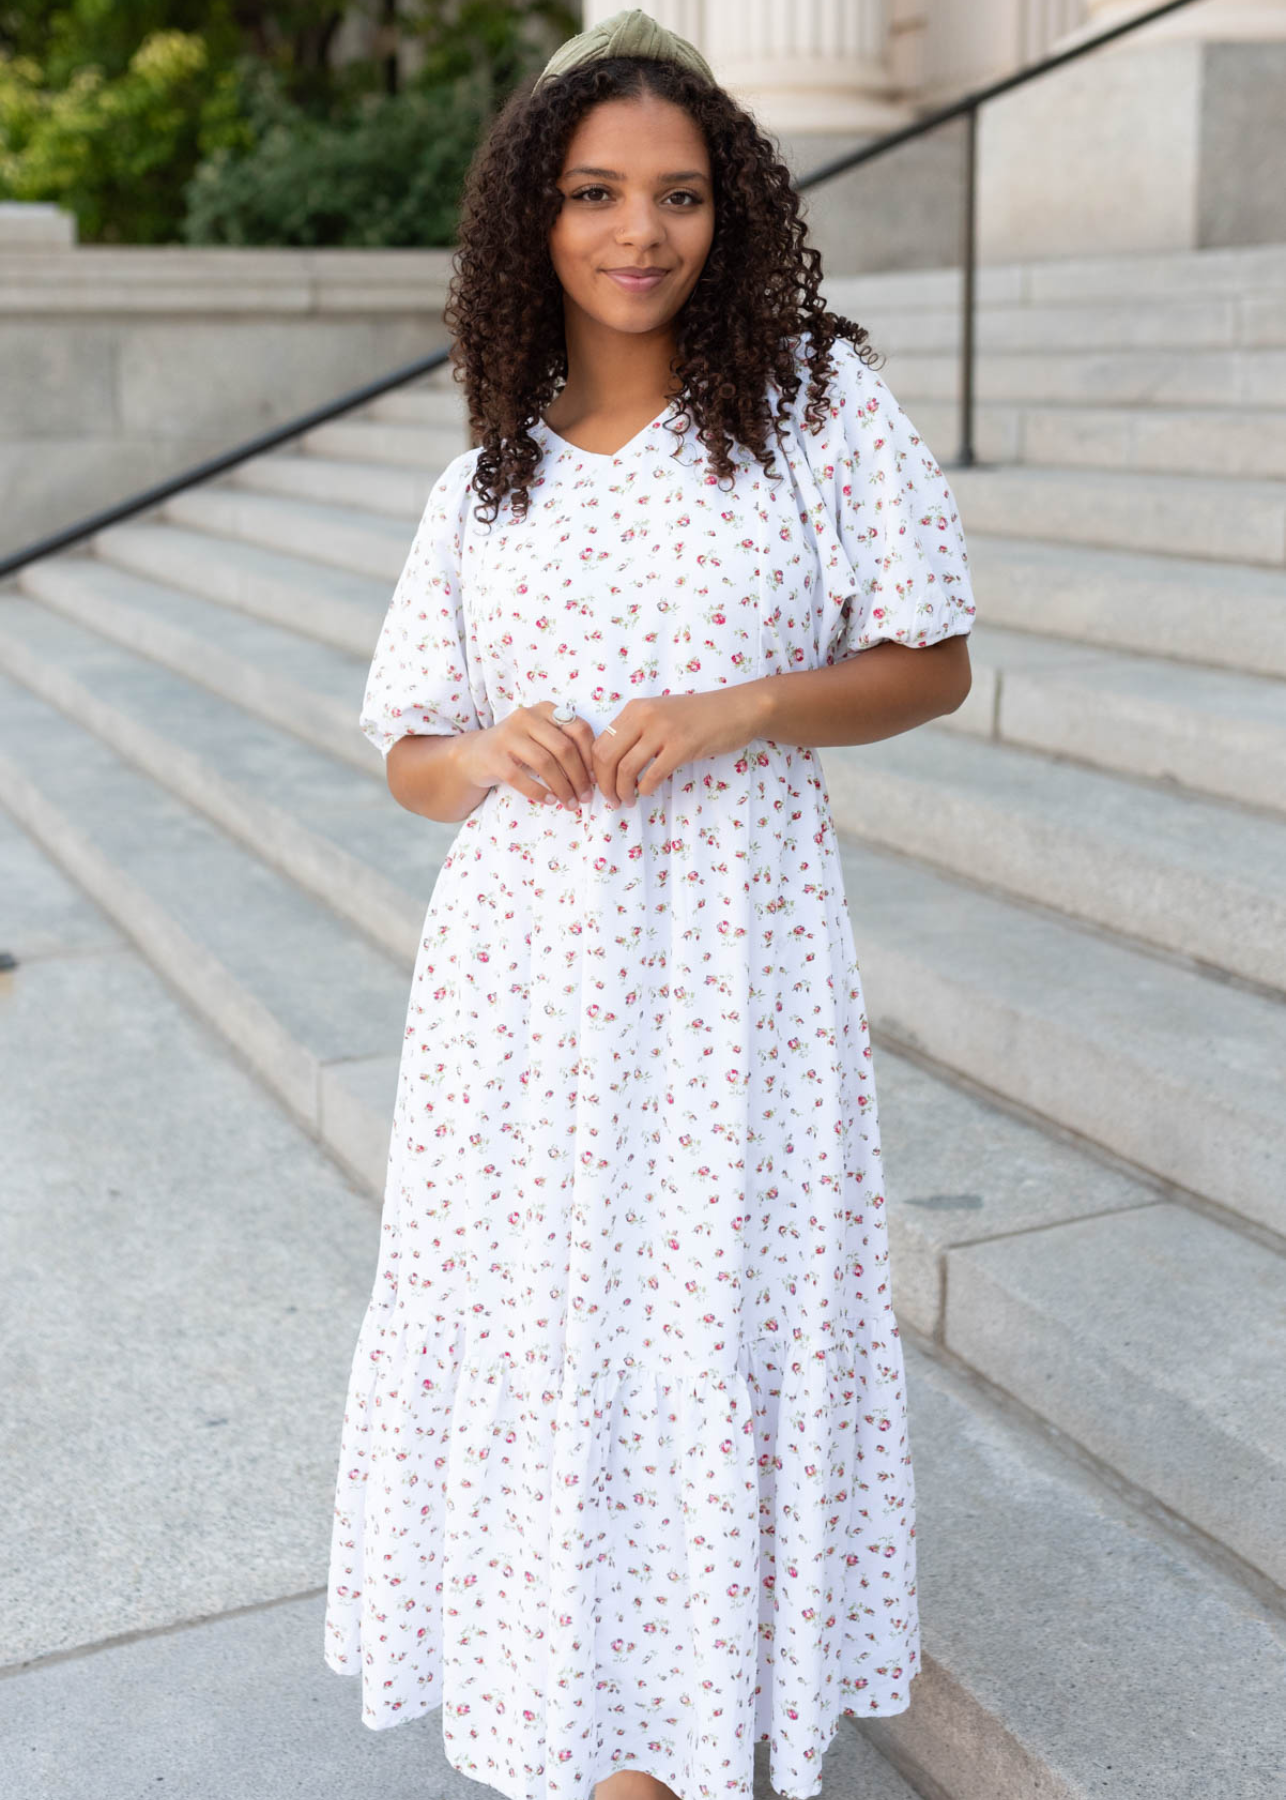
point(874, 694)
point(890, 614)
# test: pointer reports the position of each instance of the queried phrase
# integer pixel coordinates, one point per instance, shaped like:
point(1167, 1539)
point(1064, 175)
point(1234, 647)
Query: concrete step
point(253, 954)
point(1178, 375)
point(333, 605)
point(1222, 615)
point(336, 536)
point(1251, 377)
point(1247, 319)
point(1129, 1030)
point(1203, 880)
point(1222, 520)
point(1230, 616)
point(1093, 406)
point(1211, 731)
point(1160, 277)
point(316, 819)
point(1224, 442)
point(1215, 731)
point(1154, 1338)
point(1047, 1602)
point(1215, 440)
point(1029, 429)
point(371, 440)
point(207, 1256)
point(203, 1368)
point(429, 405)
point(334, 834)
point(1185, 874)
point(999, 1509)
point(1072, 1284)
point(1182, 1075)
point(310, 688)
point(386, 489)
point(1220, 441)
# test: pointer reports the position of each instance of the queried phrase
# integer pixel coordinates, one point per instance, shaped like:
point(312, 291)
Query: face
point(637, 192)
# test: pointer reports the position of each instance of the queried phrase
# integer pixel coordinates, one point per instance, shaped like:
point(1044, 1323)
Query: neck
point(616, 371)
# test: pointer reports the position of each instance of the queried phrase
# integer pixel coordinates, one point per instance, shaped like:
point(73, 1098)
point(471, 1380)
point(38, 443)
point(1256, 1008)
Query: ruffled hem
point(659, 1564)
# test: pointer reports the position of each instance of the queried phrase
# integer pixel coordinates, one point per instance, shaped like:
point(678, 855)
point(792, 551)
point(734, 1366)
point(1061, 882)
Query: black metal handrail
point(967, 107)
point(215, 465)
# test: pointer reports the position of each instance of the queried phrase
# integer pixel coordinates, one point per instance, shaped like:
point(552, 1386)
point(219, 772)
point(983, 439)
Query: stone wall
point(123, 365)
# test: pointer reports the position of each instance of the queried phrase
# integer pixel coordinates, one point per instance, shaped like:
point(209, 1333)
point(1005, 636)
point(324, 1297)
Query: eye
point(597, 188)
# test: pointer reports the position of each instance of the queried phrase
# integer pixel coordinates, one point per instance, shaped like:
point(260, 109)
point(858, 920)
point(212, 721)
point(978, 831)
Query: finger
point(611, 755)
point(553, 756)
point(608, 750)
point(521, 779)
point(563, 742)
point(658, 770)
point(628, 770)
point(528, 787)
point(581, 734)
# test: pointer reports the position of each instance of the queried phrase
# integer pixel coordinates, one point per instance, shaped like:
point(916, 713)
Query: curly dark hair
point(739, 328)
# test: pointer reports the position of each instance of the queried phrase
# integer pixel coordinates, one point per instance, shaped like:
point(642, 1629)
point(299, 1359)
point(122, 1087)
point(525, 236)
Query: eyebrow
point(615, 174)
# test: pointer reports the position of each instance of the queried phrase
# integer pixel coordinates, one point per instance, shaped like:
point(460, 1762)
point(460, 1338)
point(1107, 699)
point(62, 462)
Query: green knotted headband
point(629, 33)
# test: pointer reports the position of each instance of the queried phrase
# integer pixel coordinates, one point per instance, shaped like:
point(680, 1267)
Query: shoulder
point(853, 390)
point(448, 497)
point(458, 473)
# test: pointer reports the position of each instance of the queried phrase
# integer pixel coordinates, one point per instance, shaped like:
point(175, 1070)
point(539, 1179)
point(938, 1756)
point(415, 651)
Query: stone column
point(803, 67)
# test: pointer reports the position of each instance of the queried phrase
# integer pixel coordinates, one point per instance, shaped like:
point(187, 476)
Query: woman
point(625, 1481)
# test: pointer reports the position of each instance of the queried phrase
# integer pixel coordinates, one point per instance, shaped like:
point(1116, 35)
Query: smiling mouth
point(637, 278)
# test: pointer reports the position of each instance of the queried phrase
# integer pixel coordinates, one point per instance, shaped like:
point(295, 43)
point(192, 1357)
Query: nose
point(641, 224)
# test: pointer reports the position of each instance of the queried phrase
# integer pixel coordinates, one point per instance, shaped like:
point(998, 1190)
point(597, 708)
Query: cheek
point(569, 245)
point(694, 242)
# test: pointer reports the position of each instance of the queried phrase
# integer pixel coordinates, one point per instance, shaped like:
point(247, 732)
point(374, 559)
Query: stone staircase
point(1069, 902)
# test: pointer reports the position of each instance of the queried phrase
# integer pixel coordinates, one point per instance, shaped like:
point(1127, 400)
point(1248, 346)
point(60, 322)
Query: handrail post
point(968, 256)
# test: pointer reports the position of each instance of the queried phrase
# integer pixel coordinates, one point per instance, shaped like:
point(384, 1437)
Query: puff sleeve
point(424, 676)
point(895, 565)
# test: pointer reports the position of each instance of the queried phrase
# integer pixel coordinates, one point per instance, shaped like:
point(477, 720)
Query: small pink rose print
point(634, 1218)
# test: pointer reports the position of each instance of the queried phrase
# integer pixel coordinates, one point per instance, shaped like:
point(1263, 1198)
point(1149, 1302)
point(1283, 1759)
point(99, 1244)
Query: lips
point(639, 283)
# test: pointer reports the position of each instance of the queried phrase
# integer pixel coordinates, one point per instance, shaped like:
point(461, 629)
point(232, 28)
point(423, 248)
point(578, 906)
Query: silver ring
point(610, 728)
point(564, 713)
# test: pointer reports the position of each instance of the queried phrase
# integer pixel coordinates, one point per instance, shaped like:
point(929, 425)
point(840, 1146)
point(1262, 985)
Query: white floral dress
point(625, 1478)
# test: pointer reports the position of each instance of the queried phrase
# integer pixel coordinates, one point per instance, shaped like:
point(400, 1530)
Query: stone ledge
point(36, 224)
point(168, 278)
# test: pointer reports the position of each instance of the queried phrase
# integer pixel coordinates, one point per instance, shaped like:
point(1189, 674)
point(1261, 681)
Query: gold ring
point(610, 728)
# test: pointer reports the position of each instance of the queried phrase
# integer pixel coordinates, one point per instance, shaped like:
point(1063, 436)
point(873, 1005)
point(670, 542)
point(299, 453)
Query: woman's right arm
point(426, 671)
point(437, 776)
point(445, 777)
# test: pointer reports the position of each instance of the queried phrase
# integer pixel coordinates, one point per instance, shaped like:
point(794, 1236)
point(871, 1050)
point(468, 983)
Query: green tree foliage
point(388, 173)
point(229, 121)
point(117, 152)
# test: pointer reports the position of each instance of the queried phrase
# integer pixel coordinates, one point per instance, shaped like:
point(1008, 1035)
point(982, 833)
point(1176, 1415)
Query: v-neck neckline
point(609, 456)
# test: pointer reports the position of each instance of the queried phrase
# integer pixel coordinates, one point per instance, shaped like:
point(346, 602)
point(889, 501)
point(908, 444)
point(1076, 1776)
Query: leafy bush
point(387, 172)
point(225, 121)
point(117, 153)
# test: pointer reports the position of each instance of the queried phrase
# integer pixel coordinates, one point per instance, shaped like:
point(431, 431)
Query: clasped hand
point(650, 739)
